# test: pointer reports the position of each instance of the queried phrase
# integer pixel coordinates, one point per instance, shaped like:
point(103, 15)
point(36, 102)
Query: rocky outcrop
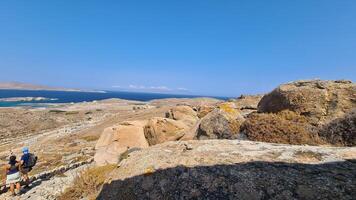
point(285, 127)
point(118, 139)
point(341, 131)
point(294, 112)
point(194, 102)
point(233, 169)
point(159, 130)
point(204, 110)
point(320, 101)
point(183, 113)
point(222, 123)
point(189, 117)
point(247, 103)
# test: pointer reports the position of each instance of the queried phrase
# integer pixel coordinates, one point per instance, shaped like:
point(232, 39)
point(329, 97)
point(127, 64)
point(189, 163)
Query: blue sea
point(75, 97)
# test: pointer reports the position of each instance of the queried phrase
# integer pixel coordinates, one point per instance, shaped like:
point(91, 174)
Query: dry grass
point(88, 183)
point(46, 162)
point(309, 155)
point(72, 112)
point(2, 177)
point(284, 127)
point(235, 125)
point(91, 138)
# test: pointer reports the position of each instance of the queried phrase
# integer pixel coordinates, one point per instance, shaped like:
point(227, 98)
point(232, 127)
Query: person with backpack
point(13, 177)
point(28, 160)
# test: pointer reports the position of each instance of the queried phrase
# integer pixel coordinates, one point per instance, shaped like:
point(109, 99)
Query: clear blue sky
point(210, 47)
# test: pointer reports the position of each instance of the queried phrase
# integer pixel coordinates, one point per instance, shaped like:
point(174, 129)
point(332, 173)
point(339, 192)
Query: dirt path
point(48, 185)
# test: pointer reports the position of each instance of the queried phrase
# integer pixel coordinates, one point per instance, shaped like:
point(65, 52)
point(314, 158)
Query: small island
point(27, 99)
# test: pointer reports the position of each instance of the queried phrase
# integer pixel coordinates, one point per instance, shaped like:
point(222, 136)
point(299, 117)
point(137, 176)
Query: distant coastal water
point(75, 97)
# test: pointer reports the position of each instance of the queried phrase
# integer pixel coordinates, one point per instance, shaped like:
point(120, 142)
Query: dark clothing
point(25, 168)
point(25, 158)
point(13, 168)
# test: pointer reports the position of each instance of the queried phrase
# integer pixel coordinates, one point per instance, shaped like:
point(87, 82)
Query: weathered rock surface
point(117, 139)
point(183, 113)
point(204, 110)
point(247, 103)
point(321, 101)
point(222, 123)
point(341, 131)
point(233, 169)
point(159, 130)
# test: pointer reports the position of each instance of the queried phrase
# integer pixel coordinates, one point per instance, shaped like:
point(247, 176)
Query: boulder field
point(182, 122)
point(312, 112)
point(251, 147)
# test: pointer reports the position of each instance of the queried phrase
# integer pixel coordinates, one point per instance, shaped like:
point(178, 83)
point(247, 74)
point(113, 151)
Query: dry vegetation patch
point(91, 138)
point(2, 176)
point(284, 127)
point(46, 162)
point(341, 131)
point(88, 183)
point(309, 156)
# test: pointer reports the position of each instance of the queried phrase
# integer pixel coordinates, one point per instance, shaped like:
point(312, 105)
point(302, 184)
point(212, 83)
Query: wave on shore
point(26, 99)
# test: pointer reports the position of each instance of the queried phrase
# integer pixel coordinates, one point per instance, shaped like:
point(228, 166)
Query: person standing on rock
point(13, 177)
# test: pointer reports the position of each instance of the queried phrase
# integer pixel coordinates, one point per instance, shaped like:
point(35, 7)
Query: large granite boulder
point(222, 123)
point(159, 130)
point(204, 110)
point(233, 169)
point(183, 113)
point(118, 139)
point(320, 101)
point(341, 131)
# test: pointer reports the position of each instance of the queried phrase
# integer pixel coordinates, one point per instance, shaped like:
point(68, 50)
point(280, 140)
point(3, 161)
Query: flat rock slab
point(234, 169)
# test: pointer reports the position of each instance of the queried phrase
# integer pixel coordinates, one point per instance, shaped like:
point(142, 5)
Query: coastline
point(45, 98)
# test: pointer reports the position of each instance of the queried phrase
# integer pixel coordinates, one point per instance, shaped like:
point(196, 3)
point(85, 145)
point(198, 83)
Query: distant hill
point(27, 86)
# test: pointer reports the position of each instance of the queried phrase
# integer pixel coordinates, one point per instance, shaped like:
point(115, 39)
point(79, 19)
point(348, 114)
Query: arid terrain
point(67, 133)
point(296, 142)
